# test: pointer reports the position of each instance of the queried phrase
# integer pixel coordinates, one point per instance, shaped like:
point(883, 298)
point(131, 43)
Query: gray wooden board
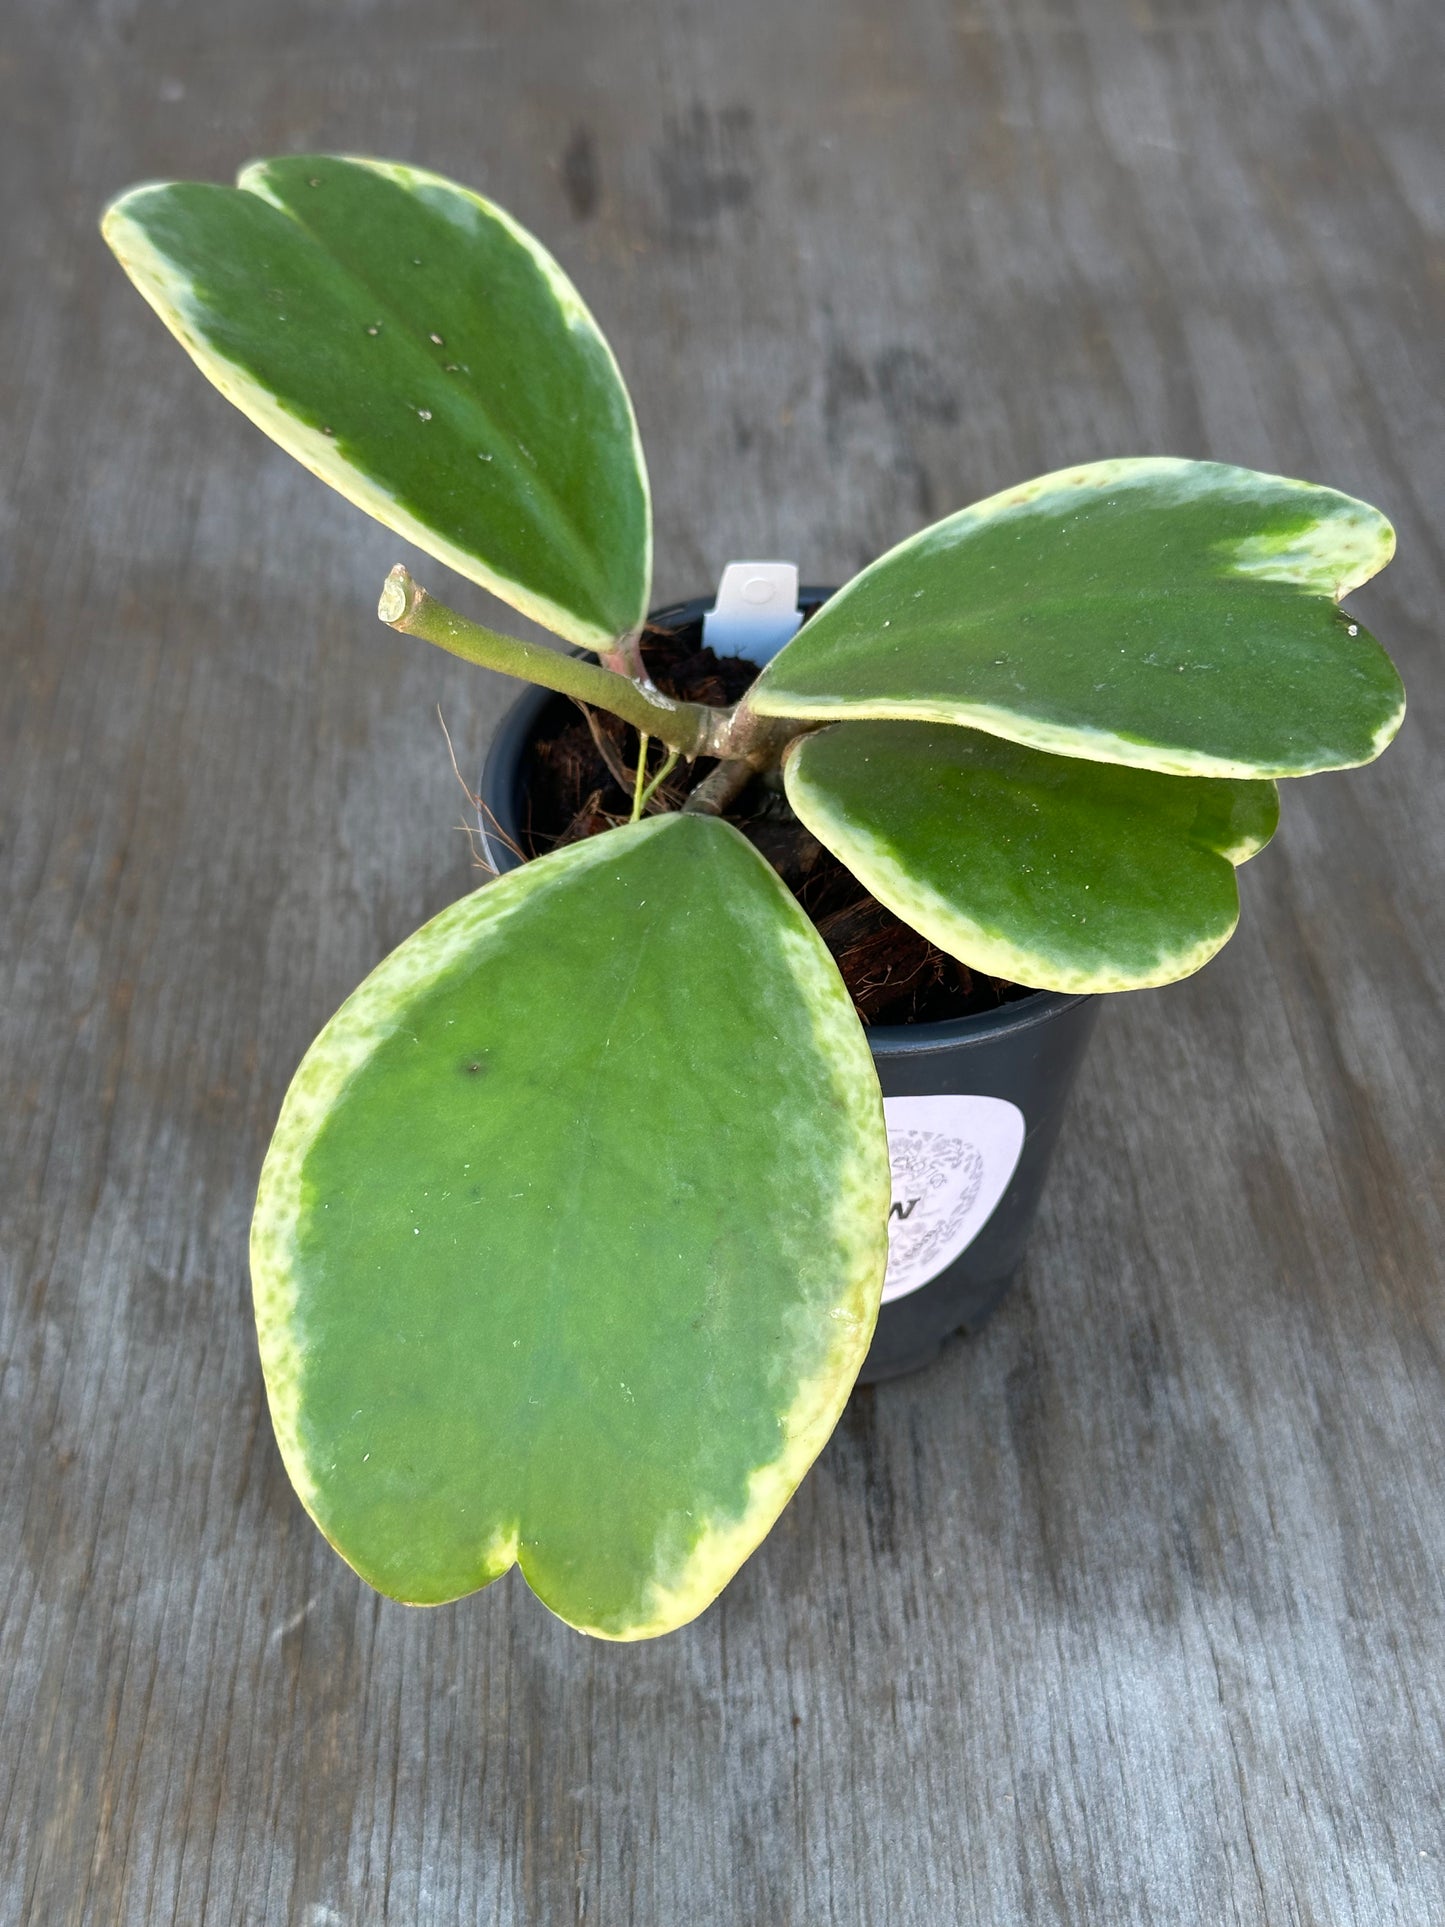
point(1129, 1611)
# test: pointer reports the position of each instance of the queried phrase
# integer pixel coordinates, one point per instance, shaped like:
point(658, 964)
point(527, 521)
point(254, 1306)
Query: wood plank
point(1130, 1610)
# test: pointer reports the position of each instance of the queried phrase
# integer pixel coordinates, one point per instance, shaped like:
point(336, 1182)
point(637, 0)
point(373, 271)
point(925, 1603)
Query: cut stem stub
point(690, 728)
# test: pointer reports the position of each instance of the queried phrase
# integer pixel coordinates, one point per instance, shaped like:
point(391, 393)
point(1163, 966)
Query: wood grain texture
point(1132, 1610)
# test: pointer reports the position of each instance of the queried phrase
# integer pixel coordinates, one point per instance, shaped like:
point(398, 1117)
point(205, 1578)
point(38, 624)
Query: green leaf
point(1173, 615)
point(422, 353)
point(1046, 870)
point(569, 1244)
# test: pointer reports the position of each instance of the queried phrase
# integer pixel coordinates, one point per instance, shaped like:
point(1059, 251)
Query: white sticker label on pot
point(952, 1159)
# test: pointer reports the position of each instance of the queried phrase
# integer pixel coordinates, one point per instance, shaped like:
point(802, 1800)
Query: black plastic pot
point(973, 1105)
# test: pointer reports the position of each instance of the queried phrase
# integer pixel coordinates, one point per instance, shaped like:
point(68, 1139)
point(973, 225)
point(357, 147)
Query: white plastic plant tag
point(756, 612)
point(952, 1159)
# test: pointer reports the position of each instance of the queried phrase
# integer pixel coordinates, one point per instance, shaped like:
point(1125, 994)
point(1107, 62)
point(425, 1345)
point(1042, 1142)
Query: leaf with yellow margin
point(570, 1240)
point(1044, 870)
point(421, 352)
point(1177, 616)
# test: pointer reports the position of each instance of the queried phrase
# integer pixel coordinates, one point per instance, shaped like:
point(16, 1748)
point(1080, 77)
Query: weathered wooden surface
point(1131, 1610)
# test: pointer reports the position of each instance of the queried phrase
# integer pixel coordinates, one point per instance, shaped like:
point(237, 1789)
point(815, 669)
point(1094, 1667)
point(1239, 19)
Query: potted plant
point(569, 1243)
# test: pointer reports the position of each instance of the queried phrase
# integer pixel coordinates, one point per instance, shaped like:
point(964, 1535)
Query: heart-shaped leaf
point(1173, 615)
point(569, 1244)
point(417, 349)
point(1046, 870)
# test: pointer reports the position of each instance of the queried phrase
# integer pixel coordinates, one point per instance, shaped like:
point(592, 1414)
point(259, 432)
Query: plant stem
point(757, 740)
point(688, 728)
point(625, 656)
point(717, 789)
point(669, 764)
point(640, 780)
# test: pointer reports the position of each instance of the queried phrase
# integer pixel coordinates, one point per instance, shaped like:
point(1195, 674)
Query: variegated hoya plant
point(569, 1242)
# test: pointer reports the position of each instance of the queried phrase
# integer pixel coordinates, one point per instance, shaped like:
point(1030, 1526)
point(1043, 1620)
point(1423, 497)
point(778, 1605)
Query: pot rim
point(918, 1040)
